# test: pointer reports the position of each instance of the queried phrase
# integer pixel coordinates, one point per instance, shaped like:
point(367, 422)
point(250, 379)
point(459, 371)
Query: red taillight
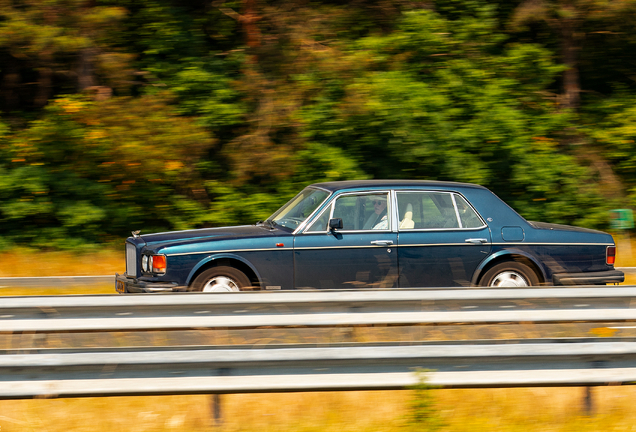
point(159, 264)
point(610, 255)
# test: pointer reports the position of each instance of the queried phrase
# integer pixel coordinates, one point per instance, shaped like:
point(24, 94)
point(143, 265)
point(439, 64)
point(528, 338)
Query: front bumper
point(124, 284)
point(589, 278)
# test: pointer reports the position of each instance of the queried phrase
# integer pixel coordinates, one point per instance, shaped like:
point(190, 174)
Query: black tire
point(509, 274)
point(221, 279)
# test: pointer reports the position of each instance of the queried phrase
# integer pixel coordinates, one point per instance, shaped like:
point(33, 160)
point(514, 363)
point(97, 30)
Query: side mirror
point(335, 224)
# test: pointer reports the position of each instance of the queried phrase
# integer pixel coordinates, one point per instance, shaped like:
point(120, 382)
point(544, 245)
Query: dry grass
point(533, 409)
point(33, 263)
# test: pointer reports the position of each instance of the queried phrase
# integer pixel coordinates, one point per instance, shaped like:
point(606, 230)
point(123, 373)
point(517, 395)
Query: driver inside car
point(378, 219)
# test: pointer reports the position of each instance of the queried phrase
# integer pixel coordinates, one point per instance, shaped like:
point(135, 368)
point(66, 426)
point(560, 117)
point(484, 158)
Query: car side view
point(374, 234)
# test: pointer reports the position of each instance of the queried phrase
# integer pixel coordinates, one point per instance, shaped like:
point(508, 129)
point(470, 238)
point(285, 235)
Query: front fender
point(503, 253)
point(215, 257)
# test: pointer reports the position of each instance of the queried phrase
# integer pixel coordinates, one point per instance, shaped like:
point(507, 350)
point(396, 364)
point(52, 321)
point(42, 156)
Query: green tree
point(453, 100)
point(65, 44)
point(85, 172)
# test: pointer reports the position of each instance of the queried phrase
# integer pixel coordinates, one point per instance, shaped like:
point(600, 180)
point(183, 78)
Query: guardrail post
point(216, 410)
point(588, 401)
point(217, 413)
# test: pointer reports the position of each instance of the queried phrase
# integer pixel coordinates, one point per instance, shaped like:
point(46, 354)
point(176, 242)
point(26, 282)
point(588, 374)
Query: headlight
point(153, 264)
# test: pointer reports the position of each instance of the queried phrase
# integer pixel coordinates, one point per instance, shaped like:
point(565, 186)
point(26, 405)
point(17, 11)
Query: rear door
point(441, 239)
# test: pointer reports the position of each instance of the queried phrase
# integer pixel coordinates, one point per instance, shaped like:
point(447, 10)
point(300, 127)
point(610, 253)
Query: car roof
point(426, 184)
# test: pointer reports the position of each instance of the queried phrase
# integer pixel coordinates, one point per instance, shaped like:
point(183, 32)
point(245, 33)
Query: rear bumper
point(124, 284)
point(589, 278)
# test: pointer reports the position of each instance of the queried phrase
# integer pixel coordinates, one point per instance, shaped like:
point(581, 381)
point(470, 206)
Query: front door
point(360, 255)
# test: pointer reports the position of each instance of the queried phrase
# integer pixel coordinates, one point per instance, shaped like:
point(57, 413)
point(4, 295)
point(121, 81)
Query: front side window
point(358, 212)
point(435, 210)
point(299, 208)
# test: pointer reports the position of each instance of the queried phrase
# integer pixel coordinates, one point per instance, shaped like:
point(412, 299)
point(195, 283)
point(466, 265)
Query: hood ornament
point(135, 234)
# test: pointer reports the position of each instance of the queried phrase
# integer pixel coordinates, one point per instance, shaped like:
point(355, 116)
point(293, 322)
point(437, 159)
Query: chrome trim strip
point(408, 230)
point(549, 244)
point(501, 244)
point(343, 247)
point(395, 245)
point(230, 250)
point(441, 244)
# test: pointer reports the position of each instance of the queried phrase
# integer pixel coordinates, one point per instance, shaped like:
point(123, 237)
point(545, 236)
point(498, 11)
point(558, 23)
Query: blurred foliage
point(422, 413)
point(118, 115)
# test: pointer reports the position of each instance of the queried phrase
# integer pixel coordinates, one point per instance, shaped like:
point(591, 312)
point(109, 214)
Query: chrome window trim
point(304, 223)
point(395, 221)
point(459, 220)
point(453, 193)
point(337, 196)
point(483, 221)
point(329, 208)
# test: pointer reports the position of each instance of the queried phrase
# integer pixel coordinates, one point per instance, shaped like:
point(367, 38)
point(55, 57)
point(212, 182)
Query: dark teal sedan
point(374, 234)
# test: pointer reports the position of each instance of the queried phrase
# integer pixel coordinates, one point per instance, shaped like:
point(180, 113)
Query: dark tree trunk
point(569, 48)
point(45, 81)
point(10, 83)
point(85, 70)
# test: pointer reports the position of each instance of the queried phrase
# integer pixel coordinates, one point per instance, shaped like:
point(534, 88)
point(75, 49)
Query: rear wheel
point(509, 274)
point(220, 279)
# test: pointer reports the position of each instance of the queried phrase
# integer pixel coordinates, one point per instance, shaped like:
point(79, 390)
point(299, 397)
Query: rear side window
point(435, 210)
point(467, 215)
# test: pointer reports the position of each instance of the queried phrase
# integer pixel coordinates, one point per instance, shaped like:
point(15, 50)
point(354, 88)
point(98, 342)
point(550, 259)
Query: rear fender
point(507, 255)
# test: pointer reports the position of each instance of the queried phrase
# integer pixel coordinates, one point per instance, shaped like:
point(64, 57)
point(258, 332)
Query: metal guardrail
point(56, 281)
point(106, 279)
point(316, 309)
point(91, 372)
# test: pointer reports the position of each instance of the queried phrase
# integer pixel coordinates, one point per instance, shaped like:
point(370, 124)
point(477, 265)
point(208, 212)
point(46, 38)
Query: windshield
point(299, 208)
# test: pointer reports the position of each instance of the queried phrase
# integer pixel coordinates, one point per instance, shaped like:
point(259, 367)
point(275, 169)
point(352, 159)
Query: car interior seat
point(407, 222)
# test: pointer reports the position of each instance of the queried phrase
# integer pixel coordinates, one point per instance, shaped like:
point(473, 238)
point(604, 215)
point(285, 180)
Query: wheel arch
point(229, 260)
point(509, 255)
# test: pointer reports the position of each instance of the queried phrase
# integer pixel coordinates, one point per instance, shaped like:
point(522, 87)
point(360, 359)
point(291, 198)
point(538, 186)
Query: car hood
point(207, 234)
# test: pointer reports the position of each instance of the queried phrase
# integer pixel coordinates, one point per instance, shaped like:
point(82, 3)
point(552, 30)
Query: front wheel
point(509, 274)
point(220, 279)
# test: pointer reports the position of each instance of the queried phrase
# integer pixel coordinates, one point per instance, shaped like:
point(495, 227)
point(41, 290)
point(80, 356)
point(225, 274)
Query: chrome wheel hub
point(220, 283)
point(509, 279)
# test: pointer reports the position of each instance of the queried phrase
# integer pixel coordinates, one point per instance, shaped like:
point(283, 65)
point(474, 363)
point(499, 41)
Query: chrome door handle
point(382, 242)
point(477, 240)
